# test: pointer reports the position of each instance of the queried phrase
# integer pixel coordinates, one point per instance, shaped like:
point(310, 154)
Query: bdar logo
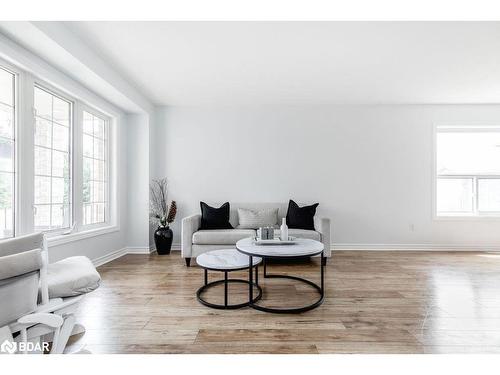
point(8, 347)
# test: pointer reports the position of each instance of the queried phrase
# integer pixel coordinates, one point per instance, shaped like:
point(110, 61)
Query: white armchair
point(30, 285)
point(20, 275)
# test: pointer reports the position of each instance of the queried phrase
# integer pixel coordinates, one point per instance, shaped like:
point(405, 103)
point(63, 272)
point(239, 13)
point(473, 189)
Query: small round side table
point(227, 260)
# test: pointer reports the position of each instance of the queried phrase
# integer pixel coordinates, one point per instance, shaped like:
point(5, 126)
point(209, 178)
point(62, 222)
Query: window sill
point(62, 239)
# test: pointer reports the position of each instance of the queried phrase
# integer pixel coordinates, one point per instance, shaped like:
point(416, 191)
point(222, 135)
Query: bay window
point(62, 180)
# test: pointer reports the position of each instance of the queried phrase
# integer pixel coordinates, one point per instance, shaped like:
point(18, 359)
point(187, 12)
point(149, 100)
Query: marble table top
point(301, 247)
point(224, 259)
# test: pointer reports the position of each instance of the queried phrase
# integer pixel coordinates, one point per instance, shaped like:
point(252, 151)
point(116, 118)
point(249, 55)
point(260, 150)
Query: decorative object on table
point(253, 219)
point(265, 233)
point(162, 215)
point(284, 230)
point(300, 217)
point(215, 218)
point(270, 233)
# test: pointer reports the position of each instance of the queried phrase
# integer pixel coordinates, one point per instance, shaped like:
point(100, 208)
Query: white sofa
point(195, 241)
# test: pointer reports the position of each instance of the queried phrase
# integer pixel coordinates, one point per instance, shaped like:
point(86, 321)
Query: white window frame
point(63, 96)
point(24, 158)
point(15, 188)
point(475, 214)
point(107, 167)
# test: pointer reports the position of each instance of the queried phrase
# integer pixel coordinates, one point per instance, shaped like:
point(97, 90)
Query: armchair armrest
point(51, 320)
point(190, 225)
point(322, 225)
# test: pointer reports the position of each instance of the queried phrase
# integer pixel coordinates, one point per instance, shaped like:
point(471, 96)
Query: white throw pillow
point(253, 219)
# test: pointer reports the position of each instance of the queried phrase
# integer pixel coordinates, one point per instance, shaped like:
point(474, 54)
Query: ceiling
point(295, 63)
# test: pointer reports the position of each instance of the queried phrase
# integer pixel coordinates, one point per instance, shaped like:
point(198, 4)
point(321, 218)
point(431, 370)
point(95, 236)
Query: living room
point(246, 186)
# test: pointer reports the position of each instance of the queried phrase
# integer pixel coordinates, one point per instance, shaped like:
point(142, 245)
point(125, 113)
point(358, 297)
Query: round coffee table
point(301, 249)
point(227, 260)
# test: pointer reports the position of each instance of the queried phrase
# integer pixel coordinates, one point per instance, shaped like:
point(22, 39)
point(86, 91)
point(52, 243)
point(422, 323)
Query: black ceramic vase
point(163, 240)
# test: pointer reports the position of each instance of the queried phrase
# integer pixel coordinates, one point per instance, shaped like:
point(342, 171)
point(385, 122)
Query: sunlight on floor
point(489, 255)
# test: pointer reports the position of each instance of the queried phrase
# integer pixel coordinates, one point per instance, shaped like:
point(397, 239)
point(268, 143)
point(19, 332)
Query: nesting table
point(301, 249)
point(227, 260)
point(248, 255)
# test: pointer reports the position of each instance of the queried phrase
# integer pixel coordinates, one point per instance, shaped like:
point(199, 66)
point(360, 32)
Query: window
point(53, 123)
point(57, 167)
point(7, 145)
point(468, 171)
point(94, 168)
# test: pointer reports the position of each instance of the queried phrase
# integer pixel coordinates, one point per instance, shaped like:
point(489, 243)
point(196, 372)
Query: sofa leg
point(324, 261)
point(188, 262)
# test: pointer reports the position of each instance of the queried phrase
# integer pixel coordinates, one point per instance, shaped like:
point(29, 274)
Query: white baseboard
point(119, 253)
point(109, 257)
point(140, 250)
point(415, 247)
point(175, 247)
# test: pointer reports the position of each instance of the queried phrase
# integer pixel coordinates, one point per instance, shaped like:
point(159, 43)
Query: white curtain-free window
point(52, 160)
point(95, 181)
point(468, 171)
point(7, 151)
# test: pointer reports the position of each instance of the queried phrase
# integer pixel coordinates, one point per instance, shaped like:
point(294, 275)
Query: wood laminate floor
point(376, 302)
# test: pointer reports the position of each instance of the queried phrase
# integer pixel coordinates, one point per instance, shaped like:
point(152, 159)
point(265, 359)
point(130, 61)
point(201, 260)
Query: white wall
point(138, 183)
point(369, 167)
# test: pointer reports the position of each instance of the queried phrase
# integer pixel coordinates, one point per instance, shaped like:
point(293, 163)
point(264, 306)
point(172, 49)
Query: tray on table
point(275, 241)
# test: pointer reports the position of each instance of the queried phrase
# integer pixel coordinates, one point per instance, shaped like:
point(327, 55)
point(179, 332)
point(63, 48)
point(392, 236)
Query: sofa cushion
point(300, 217)
point(253, 219)
point(233, 210)
point(71, 277)
point(301, 233)
point(221, 236)
point(215, 218)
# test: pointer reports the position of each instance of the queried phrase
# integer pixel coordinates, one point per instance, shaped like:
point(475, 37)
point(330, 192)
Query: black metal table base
point(226, 281)
point(294, 310)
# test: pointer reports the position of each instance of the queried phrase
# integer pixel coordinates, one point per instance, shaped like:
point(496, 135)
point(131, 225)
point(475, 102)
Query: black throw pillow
point(215, 218)
point(300, 217)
